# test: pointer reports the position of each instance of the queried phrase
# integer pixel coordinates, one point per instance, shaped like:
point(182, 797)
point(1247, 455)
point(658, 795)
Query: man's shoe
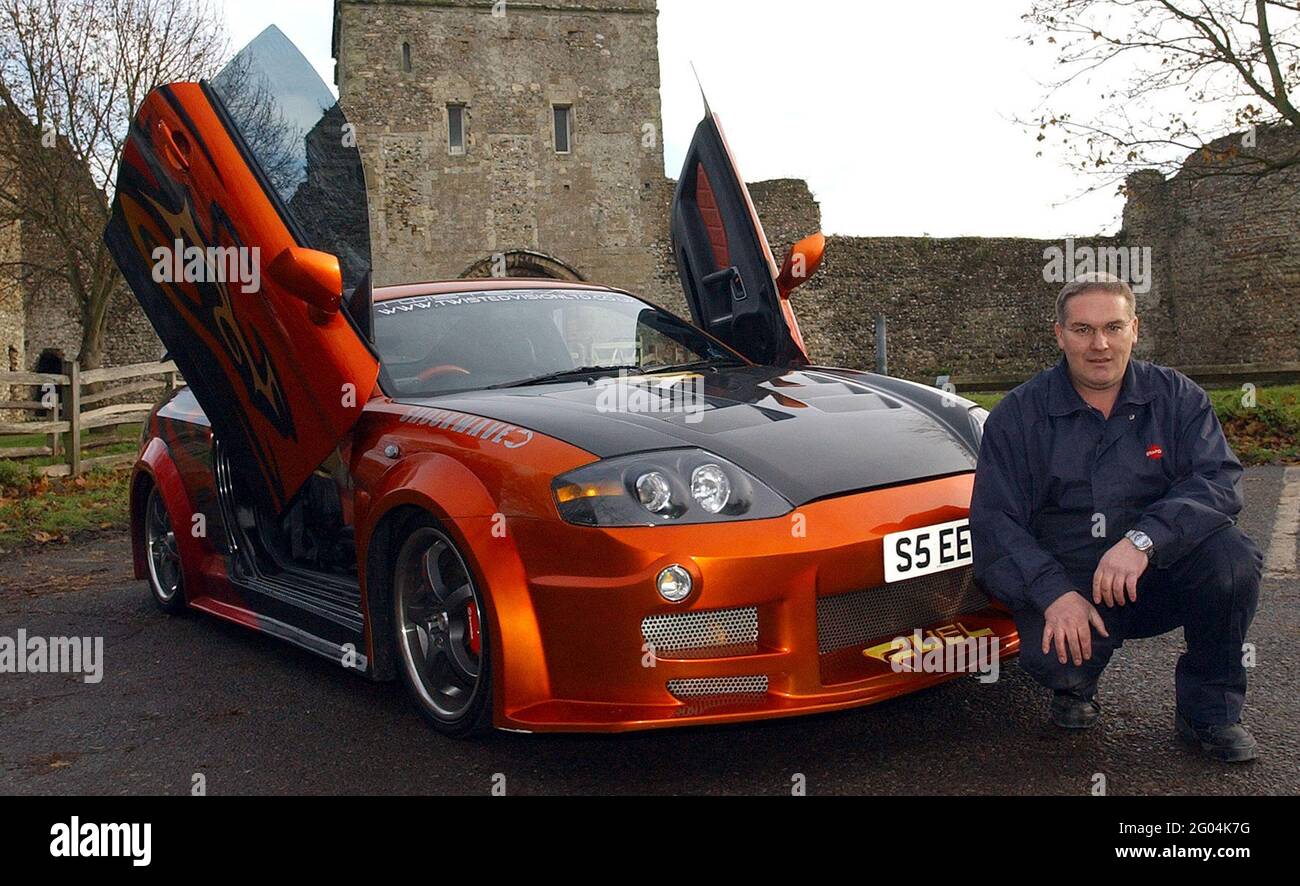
point(1231, 743)
point(1070, 710)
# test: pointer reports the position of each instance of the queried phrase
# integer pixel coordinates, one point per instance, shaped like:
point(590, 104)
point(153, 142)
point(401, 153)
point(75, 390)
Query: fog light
point(674, 584)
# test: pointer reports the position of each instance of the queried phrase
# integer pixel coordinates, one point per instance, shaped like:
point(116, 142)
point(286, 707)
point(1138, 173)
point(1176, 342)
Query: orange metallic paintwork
point(156, 463)
point(566, 630)
point(313, 276)
point(287, 375)
point(565, 633)
point(589, 608)
point(811, 249)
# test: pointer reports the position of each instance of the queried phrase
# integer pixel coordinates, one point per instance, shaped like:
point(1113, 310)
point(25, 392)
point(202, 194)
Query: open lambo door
point(240, 223)
point(724, 259)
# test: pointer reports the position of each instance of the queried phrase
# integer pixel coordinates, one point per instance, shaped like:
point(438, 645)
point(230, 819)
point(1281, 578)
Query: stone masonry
point(595, 213)
point(1226, 250)
point(1225, 287)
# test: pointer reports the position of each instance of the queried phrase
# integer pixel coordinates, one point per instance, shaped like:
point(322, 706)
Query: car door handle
point(731, 278)
point(175, 147)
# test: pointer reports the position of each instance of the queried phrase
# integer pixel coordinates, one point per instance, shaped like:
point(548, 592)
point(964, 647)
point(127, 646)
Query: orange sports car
point(542, 506)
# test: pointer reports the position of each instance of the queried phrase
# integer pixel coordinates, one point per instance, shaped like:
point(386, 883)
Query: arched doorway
point(521, 263)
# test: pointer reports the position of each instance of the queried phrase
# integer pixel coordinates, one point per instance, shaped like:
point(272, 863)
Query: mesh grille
point(896, 609)
point(719, 631)
point(697, 687)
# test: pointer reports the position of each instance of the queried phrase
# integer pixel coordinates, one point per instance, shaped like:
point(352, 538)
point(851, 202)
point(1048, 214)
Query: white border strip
point(1281, 562)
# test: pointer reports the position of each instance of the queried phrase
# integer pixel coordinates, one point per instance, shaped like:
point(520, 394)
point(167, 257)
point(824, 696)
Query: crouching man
point(1103, 511)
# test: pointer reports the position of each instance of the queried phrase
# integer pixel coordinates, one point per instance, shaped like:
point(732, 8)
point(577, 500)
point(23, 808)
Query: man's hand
point(1067, 623)
point(1118, 573)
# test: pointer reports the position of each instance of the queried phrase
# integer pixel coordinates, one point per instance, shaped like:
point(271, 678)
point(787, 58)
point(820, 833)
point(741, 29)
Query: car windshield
point(436, 344)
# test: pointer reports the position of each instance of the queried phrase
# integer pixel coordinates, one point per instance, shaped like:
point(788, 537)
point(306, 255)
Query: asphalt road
point(193, 695)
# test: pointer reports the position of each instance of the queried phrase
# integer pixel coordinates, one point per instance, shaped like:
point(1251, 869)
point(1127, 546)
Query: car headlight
point(711, 488)
point(676, 486)
point(978, 415)
point(654, 492)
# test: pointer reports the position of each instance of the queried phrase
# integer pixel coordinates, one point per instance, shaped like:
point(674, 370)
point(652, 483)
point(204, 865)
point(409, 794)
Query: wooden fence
point(75, 411)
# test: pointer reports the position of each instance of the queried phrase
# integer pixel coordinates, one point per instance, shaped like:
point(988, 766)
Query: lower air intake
point(700, 687)
point(710, 633)
point(895, 610)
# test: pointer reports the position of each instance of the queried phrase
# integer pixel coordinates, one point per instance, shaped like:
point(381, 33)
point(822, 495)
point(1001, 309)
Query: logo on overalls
point(1154, 451)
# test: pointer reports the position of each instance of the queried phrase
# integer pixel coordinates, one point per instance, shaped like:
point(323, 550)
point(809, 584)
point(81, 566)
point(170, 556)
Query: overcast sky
point(897, 114)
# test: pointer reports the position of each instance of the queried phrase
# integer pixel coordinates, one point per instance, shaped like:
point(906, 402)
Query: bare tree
point(72, 74)
point(250, 98)
point(1175, 77)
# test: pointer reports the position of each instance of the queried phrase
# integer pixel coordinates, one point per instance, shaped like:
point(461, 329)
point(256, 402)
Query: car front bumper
point(787, 616)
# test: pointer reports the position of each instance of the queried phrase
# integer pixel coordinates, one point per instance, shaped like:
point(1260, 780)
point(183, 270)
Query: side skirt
point(338, 653)
point(319, 613)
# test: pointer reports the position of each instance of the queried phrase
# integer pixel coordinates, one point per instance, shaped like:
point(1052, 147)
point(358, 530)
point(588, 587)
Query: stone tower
point(463, 109)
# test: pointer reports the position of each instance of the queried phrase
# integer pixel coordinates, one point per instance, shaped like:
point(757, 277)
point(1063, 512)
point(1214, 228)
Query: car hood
point(807, 433)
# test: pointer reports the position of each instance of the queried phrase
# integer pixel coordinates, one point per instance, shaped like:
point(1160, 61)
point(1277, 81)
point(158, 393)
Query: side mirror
point(803, 261)
point(315, 277)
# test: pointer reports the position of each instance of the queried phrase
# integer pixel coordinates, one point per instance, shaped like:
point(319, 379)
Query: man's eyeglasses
point(1110, 330)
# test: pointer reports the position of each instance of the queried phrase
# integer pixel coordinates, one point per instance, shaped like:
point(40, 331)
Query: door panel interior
point(726, 266)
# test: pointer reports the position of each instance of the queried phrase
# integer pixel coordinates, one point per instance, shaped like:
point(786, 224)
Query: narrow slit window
point(563, 129)
point(455, 129)
point(406, 57)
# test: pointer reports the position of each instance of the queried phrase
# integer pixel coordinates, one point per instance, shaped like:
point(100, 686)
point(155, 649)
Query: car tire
point(440, 631)
point(162, 556)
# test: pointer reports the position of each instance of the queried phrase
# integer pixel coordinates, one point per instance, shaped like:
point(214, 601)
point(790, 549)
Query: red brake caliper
point(475, 630)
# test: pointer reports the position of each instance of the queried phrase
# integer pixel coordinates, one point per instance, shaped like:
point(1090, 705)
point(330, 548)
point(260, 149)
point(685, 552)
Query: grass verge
point(38, 510)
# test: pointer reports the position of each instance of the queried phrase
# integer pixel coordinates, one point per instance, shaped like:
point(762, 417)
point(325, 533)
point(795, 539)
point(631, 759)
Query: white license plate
point(930, 549)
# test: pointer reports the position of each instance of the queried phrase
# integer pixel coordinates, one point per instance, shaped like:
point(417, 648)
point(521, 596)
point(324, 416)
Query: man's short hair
point(1097, 281)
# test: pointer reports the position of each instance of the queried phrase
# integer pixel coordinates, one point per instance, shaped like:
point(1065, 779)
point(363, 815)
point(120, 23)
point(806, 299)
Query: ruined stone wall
point(597, 210)
point(952, 306)
point(52, 317)
point(12, 319)
point(39, 315)
point(128, 334)
point(789, 212)
point(964, 305)
point(1225, 283)
point(1227, 253)
point(1224, 279)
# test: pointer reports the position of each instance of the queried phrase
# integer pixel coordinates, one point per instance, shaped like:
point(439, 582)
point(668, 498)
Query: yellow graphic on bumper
point(900, 650)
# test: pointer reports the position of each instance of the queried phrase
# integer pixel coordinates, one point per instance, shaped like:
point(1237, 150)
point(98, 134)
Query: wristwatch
point(1141, 541)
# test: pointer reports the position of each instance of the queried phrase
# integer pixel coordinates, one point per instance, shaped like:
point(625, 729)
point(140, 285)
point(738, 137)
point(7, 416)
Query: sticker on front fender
point(916, 552)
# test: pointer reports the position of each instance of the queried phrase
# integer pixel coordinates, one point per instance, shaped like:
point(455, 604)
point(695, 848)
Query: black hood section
point(809, 434)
